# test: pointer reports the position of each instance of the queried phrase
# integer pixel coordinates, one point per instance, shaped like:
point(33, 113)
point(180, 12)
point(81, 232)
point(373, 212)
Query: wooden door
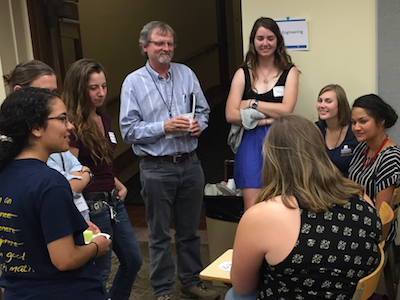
point(56, 37)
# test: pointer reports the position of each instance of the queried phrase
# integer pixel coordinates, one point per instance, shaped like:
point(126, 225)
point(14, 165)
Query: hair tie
point(5, 138)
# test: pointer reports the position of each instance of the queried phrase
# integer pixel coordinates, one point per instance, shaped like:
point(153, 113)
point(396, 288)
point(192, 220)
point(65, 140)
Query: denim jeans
point(125, 246)
point(178, 188)
point(232, 295)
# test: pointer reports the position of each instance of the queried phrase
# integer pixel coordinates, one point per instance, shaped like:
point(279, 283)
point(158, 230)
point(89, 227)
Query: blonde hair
point(296, 164)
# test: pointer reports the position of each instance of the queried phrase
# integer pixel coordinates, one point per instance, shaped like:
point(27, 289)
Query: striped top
point(382, 173)
point(148, 100)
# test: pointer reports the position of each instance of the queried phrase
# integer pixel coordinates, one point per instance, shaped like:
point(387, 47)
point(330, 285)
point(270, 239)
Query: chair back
point(387, 215)
point(367, 285)
point(395, 198)
point(396, 202)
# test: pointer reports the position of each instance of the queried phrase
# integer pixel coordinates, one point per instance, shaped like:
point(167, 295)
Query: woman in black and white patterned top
point(376, 161)
point(312, 235)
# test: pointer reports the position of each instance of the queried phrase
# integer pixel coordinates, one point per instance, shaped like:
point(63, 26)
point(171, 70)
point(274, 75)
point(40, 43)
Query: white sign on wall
point(295, 33)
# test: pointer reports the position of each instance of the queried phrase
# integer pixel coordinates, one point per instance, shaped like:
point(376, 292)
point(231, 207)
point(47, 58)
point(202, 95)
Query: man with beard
point(157, 119)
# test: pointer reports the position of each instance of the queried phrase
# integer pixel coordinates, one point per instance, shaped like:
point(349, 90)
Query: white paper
point(80, 204)
point(295, 33)
point(226, 266)
point(278, 91)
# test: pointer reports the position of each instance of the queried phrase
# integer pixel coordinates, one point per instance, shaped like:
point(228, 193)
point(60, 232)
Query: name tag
point(80, 204)
point(278, 91)
point(346, 151)
point(112, 137)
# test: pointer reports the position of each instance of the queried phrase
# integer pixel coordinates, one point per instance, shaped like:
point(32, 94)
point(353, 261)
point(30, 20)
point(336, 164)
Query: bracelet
point(97, 247)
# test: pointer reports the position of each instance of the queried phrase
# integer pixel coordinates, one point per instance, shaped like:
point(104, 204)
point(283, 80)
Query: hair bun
point(391, 117)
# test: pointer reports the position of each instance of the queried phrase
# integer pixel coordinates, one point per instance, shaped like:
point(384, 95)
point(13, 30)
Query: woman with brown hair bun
point(376, 161)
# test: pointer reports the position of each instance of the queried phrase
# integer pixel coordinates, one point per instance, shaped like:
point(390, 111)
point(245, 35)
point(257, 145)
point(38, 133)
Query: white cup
point(231, 184)
point(190, 117)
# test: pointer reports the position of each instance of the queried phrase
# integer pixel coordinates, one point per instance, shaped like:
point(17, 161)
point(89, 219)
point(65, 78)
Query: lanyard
point(62, 160)
point(172, 93)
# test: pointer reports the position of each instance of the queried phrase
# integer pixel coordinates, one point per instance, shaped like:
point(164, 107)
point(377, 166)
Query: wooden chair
point(387, 215)
point(366, 286)
point(391, 269)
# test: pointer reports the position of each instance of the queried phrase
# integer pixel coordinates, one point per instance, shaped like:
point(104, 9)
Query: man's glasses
point(62, 118)
point(161, 44)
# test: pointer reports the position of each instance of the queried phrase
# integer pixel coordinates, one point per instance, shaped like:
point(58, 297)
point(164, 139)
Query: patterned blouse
point(333, 251)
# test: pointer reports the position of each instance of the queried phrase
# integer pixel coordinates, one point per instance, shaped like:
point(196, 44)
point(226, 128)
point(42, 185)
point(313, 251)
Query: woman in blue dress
point(334, 122)
point(268, 83)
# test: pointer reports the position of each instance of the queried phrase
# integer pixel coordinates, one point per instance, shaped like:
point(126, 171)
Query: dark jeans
point(125, 246)
point(178, 188)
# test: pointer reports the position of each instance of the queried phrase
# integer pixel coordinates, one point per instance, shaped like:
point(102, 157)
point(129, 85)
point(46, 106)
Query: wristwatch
point(91, 175)
point(255, 103)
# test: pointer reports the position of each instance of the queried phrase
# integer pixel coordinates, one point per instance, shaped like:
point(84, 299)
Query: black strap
point(62, 160)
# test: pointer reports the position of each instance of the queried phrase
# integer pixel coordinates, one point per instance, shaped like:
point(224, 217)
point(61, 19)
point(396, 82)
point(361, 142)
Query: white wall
point(15, 38)
point(341, 42)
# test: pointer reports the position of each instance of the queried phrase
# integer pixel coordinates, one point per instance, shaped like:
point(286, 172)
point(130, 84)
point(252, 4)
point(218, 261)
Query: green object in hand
point(88, 236)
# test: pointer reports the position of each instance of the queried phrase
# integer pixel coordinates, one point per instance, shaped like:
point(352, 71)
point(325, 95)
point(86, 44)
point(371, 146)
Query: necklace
point(337, 141)
point(265, 77)
point(376, 153)
point(340, 133)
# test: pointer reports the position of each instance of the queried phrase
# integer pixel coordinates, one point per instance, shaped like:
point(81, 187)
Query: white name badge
point(278, 91)
point(80, 204)
point(112, 137)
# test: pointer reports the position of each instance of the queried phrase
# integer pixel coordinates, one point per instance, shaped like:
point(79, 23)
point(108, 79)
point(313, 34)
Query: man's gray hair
point(145, 33)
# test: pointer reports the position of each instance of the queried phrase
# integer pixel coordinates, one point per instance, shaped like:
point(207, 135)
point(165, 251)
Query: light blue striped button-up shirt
point(147, 100)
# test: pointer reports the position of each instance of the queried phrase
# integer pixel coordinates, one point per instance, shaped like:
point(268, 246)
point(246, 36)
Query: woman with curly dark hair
point(267, 82)
point(44, 254)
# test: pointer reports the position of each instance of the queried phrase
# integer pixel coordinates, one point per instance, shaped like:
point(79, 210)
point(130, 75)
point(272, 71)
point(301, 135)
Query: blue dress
point(248, 159)
point(342, 154)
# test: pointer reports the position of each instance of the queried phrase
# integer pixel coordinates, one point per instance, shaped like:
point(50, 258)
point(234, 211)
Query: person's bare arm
point(232, 109)
point(384, 195)
point(65, 255)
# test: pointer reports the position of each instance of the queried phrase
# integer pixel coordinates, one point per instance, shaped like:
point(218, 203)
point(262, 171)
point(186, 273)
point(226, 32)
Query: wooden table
point(217, 272)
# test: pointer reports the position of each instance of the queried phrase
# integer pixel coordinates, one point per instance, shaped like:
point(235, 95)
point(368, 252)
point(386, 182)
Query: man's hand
point(194, 128)
point(178, 123)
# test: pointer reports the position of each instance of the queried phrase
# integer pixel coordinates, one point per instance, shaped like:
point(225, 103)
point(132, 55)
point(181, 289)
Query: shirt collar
point(157, 76)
